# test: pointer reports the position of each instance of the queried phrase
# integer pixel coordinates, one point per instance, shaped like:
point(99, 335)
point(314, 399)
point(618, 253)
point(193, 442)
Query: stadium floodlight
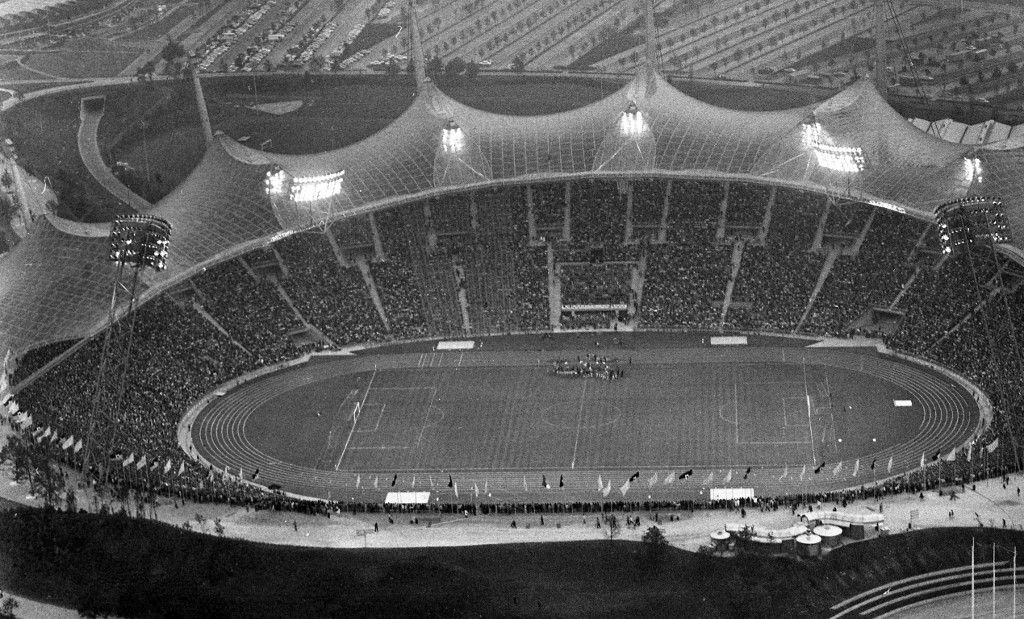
point(140, 241)
point(312, 188)
point(973, 170)
point(276, 182)
point(632, 124)
point(452, 137)
point(970, 220)
point(829, 154)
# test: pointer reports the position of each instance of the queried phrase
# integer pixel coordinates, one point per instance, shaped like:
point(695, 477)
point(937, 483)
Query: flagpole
point(993, 580)
point(972, 578)
point(1014, 582)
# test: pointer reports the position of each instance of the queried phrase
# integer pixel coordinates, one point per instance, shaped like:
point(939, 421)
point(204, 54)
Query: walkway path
point(89, 150)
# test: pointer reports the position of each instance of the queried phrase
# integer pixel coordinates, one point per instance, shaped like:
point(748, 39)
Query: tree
point(614, 528)
point(434, 66)
point(455, 66)
point(654, 546)
point(171, 51)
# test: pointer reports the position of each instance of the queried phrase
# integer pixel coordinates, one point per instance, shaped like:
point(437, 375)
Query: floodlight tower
point(881, 47)
point(979, 222)
point(137, 242)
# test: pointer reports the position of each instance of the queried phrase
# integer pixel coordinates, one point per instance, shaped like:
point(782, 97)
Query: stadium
point(647, 300)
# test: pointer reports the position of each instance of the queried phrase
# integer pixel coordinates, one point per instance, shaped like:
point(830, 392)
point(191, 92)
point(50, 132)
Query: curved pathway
point(89, 151)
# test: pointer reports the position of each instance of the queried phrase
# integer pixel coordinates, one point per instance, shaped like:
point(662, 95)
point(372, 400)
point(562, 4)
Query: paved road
point(89, 150)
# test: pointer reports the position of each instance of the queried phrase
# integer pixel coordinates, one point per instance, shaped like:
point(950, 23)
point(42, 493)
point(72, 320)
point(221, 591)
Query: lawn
point(131, 567)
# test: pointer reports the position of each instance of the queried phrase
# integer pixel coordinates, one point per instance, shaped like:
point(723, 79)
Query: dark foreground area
point(132, 567)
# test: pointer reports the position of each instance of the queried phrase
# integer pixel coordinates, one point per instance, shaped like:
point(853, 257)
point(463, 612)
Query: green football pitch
point(501, 423)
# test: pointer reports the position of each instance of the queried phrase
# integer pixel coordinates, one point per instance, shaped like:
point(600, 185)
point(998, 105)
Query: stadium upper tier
point(55, 285)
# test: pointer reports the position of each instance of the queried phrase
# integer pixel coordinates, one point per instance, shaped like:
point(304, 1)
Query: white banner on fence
point(728, 494)
point(729, 340)
point(455, 345)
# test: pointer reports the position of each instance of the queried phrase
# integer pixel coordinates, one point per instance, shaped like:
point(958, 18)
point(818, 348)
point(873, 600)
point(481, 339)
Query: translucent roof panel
point(56, 283)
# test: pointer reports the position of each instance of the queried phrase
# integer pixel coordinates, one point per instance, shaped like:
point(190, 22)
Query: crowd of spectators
point(251, 311)
point(506, 290)
point(450, 214)
point(548, 205)
point(870, 279)
point(846, 219)
point(597, 213)
point(649, 201)
point(332, 298)
point(747, 204)
point(958, 315)
point(599, 283)
point(353, 232)
point(37, 358)
point(684, 285)
point(777, 278)
point(694, 211)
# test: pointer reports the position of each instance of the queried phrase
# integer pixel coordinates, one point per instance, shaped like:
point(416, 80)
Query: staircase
point(554, 292)
point(826, 270)
point(819, 234)
point(663, 230)
point(566, 217)
point(628, 237)
point(720, 233)
point(854, 249)
point(298, 315)
point(762, 234)
point(737, 260)
point(378, 245)
point(371, 287)
point(905, 288)
point(338, 254)
point(460, 278)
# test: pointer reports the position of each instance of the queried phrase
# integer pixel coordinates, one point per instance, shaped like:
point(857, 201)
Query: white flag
point(803, 472)
point(728, 476)
point(455, 487)
point(670, 478)
point(141, 463)
point(624, 488)
point(707, 480)
point(68, 442)
point(856, 467)
point(167, 467)
point(600, 484)
point(992, 446)
point(78, 446)
point(652, 480)
point(375, 481)
point(130, 459)
point(839, 467)
point(888, 469)
point(46, 433)
point(181, 469)
point(476, 490)
point(785, 473)
point(359, 480)
point(607, 489)
point(951, 456)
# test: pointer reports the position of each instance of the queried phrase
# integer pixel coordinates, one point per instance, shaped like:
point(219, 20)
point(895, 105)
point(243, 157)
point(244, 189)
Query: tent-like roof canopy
point(55, 284)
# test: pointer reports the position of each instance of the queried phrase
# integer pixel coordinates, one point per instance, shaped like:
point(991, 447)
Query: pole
point(993, 580)
point(972, 578)
point(1014, 582)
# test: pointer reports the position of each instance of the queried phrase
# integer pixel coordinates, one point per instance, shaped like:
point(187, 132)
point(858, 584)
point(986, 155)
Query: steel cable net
point(55, 284)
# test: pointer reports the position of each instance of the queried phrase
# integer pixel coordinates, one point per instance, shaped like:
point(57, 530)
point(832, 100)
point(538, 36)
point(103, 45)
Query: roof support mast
point(651, 47)
point(204, 115)
point(418, 60)
point(881, 48)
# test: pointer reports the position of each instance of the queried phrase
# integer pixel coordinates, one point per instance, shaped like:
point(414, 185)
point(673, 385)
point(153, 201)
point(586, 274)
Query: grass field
point(136, 567)
point(504, 421)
